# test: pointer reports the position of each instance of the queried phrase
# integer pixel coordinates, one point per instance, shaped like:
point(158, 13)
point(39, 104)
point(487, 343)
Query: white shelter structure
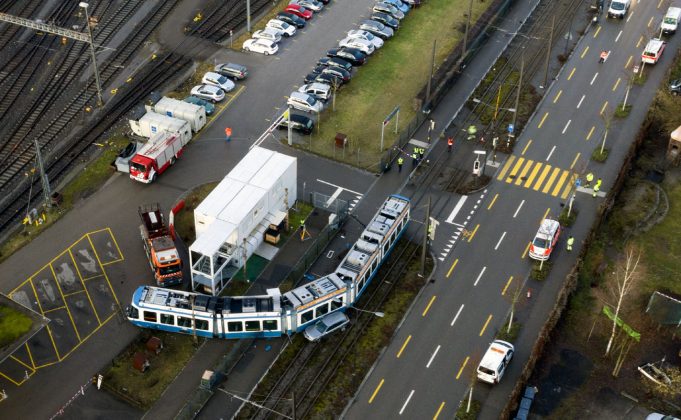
point(231, 221)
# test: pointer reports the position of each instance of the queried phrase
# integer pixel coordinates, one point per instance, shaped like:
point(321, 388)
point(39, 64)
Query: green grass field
point(13, 325)
point(392, 77)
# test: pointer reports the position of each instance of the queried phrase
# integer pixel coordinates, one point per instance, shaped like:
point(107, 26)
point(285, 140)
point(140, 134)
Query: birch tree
point(622, 282)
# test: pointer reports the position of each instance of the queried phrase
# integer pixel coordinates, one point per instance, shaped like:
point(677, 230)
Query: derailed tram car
point(274, 314)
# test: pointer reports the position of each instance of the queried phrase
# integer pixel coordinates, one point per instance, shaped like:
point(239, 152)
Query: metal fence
point(331, 204)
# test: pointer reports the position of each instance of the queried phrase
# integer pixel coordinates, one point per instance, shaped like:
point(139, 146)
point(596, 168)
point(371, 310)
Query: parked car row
point(215, 84)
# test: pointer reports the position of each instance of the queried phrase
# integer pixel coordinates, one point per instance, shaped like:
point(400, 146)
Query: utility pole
point(432, 67)
point(548, 52)
point(43, 176)
point(464, 51)
point(248, 16)
point(425, 240)
point(100, 101)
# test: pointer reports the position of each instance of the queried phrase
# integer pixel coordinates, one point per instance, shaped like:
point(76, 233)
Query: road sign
point(511, 128)
point(391, 115)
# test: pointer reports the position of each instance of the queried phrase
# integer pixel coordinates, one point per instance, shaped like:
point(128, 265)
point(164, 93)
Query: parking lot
point(73, 291)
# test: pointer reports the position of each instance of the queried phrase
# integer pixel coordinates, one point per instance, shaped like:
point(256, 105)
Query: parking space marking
point(105, 276)
point(66, 305)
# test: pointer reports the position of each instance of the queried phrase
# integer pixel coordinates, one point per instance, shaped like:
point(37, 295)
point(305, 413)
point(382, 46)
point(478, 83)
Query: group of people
point(597, 185)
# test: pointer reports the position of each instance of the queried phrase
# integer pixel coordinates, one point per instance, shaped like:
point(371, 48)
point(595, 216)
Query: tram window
point(150, 316)
point(253, 326)
point(201, 324)
point(184, 322)
point(235, 326)
point(336, 303)
point(374, 265)
point(270, 325)
point(306, 316)
point(167, 319)
point(322, 310)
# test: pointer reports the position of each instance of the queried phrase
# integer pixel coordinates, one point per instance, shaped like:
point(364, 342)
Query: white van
point(494, 362)
point(304, 102)
point(618, 8)
point(671, 20)
point(653, 51)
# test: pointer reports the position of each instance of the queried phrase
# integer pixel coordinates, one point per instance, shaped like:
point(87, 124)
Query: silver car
point(326, 325)
point(389, 9)
point(376, 28)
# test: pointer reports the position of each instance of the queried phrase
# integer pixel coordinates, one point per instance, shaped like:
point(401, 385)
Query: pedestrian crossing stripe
point(537, 176)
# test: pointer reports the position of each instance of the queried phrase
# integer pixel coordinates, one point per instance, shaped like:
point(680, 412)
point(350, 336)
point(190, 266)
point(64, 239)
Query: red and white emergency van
point(156, 156)
point(653, 51)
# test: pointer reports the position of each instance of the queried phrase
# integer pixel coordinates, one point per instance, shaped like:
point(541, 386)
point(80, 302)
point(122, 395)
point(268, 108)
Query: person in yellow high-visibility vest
point(570, 242)
point(400, 162)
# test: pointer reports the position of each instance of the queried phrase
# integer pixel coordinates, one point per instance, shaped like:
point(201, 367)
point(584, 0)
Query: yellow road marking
point(515, 170)
point(650, 22)
point(526, 146)
point(659, 4)
point(53, 309)
point(571, 73)
point(103, 271)
point(588, 136)
point(378, 388)
point(530, 178)
point(508, 283)
point(560, 182)
point(456, 261)
point(484, 327)
point(30, 355)
point(21, 362)
point(527, 248)
point(68, 311)
point(546, 213)
point(439, 410)
point(568, 186)
point(543, 119)
point(84, 287)
point(215, 116)
point(584, 52)
point(638, 44)
point(425, 311)
point(463, 365)
point(617, 83)
point(470, 238)
point(597, 31)
point(540, 180)
point(11, 380)
point(552, 178)
point(399, 353)
point(631, 57)
point(527, 167)
point(505, 168)
point(492, 203)
point(560, 92)
point(603, 107)
point(574, 162)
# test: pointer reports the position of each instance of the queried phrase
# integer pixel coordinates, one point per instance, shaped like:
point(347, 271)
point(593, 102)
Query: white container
point(195, 115)
point(152, 123)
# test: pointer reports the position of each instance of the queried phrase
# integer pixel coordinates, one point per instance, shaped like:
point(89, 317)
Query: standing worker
point(422, 151)
point(450, 143)
point(570, 242)
point(598, 183)
point(589, 179)
point(228, 134)
point(400, 161)
point(414, 159)
point(596, 189)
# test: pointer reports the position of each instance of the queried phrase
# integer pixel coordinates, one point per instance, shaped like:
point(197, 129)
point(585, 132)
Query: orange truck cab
point(159, 245)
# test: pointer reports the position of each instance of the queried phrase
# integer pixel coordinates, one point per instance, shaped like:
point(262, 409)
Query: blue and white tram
point(273, 314)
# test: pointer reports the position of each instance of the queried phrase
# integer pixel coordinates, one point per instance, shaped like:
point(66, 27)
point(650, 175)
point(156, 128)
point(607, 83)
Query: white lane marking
point(457, 208)
point(456, 316)
point(518, 209)
point(550, 153)
point(580, 101)
point(500, 239)
point(630, 15)
point(335, 195)
point(566, 126)
point(618, 36)
point(594, 79)
point(407, 402)
point(480, 275)
point(433, 356)
point(338, 186)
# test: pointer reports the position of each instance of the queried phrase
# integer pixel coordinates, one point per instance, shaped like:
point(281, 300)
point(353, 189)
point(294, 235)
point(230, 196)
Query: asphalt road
point(427, 368)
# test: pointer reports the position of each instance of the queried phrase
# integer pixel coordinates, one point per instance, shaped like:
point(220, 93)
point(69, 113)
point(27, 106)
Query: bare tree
point(473, 379)
point(514, 297)
point(624, 279)
point(606, 115)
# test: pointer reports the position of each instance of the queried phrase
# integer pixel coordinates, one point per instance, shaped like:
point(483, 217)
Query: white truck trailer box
point(211, 206)
point(195, 115)
point(250, 164)
point(246, 210)
point(278, 178)
point(152, 123)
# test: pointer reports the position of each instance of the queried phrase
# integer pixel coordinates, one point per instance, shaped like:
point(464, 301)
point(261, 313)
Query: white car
point(304, 102)
point(367, 36)
point(313, 5)
point(269, 34)
point(209, 92)
point(261, 46)
point(218, 80)
point(281, 26)
point(367, 47)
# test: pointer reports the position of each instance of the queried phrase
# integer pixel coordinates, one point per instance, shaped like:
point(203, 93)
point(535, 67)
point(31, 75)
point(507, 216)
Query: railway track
point(216, 25)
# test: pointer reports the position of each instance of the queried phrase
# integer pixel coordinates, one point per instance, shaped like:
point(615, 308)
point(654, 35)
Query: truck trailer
point(152, 124)
point(163, 257)
point(195, 115)
point(156, 156)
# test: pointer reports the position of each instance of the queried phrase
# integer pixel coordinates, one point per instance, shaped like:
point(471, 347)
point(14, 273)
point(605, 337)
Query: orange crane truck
point(163, 257)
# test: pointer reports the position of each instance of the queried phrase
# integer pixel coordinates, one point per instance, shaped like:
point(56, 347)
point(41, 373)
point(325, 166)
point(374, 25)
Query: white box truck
point(671, 20)
point(195, 115)
point(152, 123)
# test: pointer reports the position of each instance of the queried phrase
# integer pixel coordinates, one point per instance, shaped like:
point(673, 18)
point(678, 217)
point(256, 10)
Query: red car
point(299, 11)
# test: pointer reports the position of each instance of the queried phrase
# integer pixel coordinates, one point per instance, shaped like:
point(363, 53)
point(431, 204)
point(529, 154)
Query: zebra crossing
point(538, 176)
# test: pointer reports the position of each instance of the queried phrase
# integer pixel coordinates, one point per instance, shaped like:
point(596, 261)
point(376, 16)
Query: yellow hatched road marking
point(527, 248)
point(425, 311)
point(540, 180)
point(527, 167)
point(484, 327)
point(552, 178)
point(470, 237)
point(494, 200)
point(574, 162)
point(560, 182)
point(571, 73)
point(530, 178)
point(515, 170)
point(529, 142)
point(378, 388)
point(617, 83)
point(439, 410)
point(588, 136)
point(463, 365)
point(399, 353)
point(597, 31)
point(584, 52)
point(568, 187)
point(456, 261)
point(543, 119)
point(505, 168)
point(508, 283)
point(560, 92)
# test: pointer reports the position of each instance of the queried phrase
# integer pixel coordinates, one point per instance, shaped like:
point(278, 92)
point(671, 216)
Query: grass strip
point(13, 324)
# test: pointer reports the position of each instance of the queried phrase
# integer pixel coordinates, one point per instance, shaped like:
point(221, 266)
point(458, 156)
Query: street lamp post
point(378, 314)
point(85, 5)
